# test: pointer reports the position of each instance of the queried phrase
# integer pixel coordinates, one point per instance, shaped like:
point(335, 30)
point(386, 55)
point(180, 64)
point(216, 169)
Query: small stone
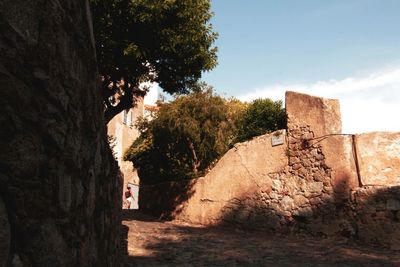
point(303, 172)
point(313, 189)
point(287, 203)
point(380, 215)
point(277, 185)
point(315, 201)
point(327, 182)
point(318, 177)
point(395, 247)
point(16, 262)
point(393, 204)
point(300, 200)
point(294, 160)
point(296, 166)
point(287, 213)
point(306, 163)
point(328, 189)
point(314, 152)
point(273, 195)
point(308, 135)
point(5, 234)
point(326, 198)
point(304, 212)
point(380, 206)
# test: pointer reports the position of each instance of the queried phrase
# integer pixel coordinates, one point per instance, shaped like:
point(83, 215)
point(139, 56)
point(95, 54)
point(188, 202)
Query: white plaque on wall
point(277, 139)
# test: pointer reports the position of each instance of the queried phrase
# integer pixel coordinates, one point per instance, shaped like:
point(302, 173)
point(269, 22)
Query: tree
point(165, 41)
point(260, 117)
point(184, 139)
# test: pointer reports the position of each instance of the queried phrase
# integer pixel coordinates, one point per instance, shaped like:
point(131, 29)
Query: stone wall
point(164, 205)
point(311, 183)
point(379, 158)
point(59, 184)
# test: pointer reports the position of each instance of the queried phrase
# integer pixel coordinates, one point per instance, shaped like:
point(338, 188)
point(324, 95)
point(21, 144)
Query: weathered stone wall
point(59, 184)
point(241, 171)
point(310, 184)
point(379, 158)
point(377, 212)
point(164, 205)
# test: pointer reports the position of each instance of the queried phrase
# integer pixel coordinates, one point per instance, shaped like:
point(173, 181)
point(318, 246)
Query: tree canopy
point(184, 139)
point(260, 117)
point(165, 41)
point(188, 135)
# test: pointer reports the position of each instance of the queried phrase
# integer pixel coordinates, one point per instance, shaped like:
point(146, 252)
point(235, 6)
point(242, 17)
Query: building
point(122, 131)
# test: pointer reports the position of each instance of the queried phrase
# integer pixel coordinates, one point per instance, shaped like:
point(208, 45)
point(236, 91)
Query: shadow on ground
point(166, 205)
point(150, 242)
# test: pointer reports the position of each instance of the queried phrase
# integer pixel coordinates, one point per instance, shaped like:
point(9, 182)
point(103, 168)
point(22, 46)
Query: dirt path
point(153, 243)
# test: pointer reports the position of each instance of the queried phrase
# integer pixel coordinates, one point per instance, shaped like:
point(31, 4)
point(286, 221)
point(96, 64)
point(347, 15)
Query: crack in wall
point(253, 179)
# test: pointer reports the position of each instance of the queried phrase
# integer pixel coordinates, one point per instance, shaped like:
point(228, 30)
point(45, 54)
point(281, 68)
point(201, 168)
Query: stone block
point(55, 132)
point(300, 200)
point(313, 189)
point(304, 212)
point(276, 185)
point(287, 203)
point(379, 158)
point(65, 192)
point(315, 201)
point(393, 204)
point(323, 115)
point(4, 234)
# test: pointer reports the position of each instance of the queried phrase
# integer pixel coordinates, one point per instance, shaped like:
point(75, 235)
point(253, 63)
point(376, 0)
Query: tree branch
point(126, 93)
point(196, 162)
point(126, 101)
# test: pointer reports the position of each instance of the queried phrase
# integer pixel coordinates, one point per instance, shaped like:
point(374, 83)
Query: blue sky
point(343, 49)
point(265, 42)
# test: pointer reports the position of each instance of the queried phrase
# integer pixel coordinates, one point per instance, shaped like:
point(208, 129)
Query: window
point(132, 118)
point(125, 116)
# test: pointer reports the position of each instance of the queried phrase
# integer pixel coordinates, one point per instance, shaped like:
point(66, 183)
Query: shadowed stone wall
point(318, 181)
point(59, 184)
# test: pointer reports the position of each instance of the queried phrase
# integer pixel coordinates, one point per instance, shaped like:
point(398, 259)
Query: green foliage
point(185, 138)
point(260, 117)
point(164, 41)
point(112, 142)
point(190, 133)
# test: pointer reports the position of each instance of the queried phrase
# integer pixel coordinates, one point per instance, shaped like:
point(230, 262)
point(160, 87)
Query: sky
point(341, 49)
point(345, 49)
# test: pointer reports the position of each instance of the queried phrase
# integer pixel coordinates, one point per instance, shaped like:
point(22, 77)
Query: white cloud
point(368, 103)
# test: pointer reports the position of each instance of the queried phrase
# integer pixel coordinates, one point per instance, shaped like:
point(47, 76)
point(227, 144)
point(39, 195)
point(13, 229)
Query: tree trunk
point(196, 162)
point(126, 94)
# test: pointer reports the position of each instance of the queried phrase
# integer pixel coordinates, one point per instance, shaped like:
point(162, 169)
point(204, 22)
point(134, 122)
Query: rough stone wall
point(309, 184)
point(59, 184)
point(377, 211)
point(243, 171)
point(156, 202)
point(379, 158)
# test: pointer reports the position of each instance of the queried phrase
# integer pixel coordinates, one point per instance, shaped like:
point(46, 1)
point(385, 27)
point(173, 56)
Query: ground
point(150, 242)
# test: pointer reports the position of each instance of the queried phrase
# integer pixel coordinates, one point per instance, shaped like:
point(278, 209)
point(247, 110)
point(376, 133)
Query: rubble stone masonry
point(59, 183)
point(319, 181)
